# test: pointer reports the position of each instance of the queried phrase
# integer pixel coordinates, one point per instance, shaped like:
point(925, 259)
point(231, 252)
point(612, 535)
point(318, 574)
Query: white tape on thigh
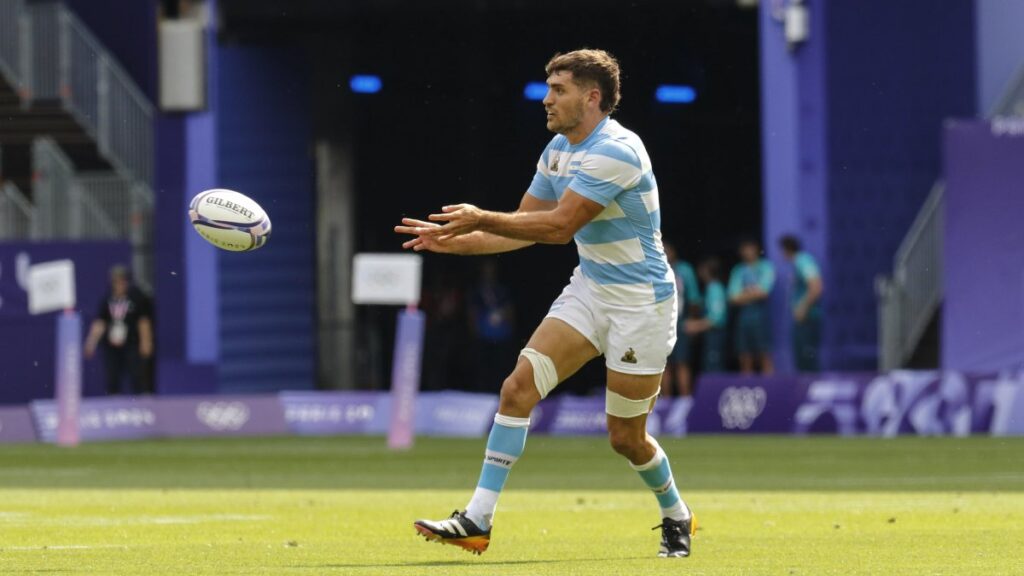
point(618, 405)
point(544, 375)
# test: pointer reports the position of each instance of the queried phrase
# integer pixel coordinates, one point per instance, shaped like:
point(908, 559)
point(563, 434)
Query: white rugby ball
point(229, 220)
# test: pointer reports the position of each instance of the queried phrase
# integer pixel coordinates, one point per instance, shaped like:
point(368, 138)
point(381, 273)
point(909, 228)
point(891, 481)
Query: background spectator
point(492, 316)
point(124, 328)
point(807, 288)
point(712, 324)
point(446, 338)
point(689, 300)
point(750, 284)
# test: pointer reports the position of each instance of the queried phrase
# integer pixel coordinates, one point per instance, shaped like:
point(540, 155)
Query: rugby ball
point(229, 220)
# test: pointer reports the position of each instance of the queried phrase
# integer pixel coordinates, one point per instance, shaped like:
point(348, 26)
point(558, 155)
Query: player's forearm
point(546, 227)
point(478, 243)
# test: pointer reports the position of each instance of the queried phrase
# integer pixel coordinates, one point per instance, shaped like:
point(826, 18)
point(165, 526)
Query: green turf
point(767, 505)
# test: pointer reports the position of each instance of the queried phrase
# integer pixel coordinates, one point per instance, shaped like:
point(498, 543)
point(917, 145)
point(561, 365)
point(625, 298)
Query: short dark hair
point(590, 66)
point(713, 266)
point(790, 243)
point(744, 240)
point(119, 272)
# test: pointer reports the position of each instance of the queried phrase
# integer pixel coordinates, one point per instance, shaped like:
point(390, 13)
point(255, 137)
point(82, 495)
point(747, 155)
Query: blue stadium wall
point(267, 297)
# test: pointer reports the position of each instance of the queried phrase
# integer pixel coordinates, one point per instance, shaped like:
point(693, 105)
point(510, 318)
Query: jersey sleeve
point(735, 282)
point(541, 186)
point(715, 305)
point(806, 267)
point(606, 170)
point(766, 278)
point(692, 287)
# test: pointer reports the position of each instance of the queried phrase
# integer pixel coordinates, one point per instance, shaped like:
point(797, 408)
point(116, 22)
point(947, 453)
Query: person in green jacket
point(750, 284)
point(688, 293)
point(805, 301)
point(712, 323)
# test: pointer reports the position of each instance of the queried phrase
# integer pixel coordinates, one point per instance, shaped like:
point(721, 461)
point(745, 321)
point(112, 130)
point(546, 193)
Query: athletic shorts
point(633, 339)
point(753, 330)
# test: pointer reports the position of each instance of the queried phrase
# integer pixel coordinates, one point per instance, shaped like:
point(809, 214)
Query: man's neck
point(584, 129)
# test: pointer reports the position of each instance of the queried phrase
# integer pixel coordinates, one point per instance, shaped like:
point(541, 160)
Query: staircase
point(910, 299)
point(65, 102)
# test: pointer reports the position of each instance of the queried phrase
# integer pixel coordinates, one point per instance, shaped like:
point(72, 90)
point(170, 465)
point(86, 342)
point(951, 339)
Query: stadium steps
point(20, 126)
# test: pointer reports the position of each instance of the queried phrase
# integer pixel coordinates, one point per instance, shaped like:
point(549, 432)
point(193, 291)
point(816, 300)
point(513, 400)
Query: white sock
point(481, 508)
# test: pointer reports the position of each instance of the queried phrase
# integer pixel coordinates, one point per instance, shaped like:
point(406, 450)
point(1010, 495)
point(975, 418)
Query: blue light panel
point(675, 94)
point(365, 84)
point(535, 90)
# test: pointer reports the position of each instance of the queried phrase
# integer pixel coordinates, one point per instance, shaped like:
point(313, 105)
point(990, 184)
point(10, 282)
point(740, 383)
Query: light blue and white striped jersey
point(621, 254)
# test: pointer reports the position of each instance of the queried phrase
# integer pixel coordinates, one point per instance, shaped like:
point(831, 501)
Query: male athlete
point(593, 184)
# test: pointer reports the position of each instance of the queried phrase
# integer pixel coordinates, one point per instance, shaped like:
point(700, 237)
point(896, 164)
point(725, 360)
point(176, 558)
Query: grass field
point(767, 505)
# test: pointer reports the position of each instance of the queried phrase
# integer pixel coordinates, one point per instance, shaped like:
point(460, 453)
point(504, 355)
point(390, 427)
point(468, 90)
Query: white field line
point(18, 519)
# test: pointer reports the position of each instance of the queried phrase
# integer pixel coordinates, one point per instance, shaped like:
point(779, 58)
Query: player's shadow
point(466, 562)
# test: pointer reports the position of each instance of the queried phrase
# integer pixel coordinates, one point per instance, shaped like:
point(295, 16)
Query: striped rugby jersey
point(621, 254)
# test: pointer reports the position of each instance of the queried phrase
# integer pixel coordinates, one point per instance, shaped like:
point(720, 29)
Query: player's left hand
point(459, 219)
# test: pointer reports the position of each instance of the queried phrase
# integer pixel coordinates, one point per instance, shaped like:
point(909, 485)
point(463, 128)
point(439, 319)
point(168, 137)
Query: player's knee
point(518, 395)
point(626, 442)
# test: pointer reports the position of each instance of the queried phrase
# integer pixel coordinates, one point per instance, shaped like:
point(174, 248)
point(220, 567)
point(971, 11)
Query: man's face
point(749, 252)
point(119, 285)
point(564, 103)
point(704, 273)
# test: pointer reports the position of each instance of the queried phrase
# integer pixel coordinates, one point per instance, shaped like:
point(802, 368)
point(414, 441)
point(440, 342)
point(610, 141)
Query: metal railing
point(11, 12)
point(16, 214)
point(908, 300)
point(123, 207)
point(52, 180)
point(68, 64)
point(50, 56)
point(92, 206)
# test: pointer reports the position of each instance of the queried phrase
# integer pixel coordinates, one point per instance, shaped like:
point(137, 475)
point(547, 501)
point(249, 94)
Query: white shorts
point(634, 340)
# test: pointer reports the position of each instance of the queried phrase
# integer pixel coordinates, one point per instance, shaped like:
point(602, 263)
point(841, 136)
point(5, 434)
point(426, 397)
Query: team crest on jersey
point(554, 164)
point(629, 356)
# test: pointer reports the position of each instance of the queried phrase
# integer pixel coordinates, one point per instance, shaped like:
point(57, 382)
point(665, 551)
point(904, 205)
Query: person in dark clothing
point(124, 328)
point(493, 322)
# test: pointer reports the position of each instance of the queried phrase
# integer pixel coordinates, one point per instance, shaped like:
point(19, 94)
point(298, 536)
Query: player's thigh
point(634, 386)
point(567, 348)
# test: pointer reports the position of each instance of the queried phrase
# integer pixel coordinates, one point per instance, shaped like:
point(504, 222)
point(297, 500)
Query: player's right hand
point(422, 241)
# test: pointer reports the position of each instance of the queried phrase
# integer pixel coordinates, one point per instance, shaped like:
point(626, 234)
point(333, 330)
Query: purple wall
point(27, 342)
point(852, 123)
point(128, 28)
point(983, 322)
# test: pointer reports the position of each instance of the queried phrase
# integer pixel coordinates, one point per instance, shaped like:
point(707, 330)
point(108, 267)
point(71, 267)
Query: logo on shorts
point(629, 356)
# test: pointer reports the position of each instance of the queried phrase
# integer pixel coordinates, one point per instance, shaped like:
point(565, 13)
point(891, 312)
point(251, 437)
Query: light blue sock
point(504, 446)
point(657, 475)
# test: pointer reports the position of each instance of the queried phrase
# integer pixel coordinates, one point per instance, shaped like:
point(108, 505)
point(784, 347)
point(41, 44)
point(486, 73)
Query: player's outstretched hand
point(422, 240)
point(459, 219)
